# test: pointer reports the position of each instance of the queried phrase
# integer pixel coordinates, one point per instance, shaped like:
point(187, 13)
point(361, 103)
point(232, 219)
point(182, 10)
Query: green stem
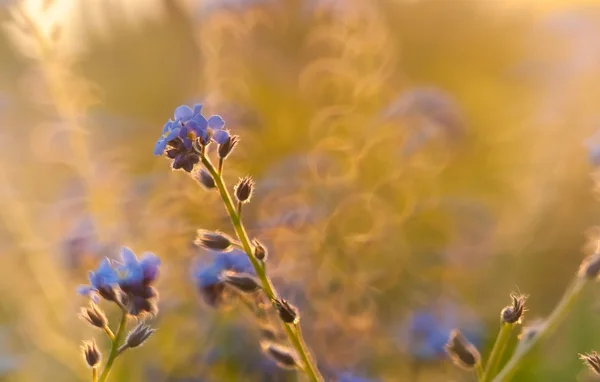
point(114, 350)
point(555, 318)
point(497, 351)
point(109, 333)
point(479, 371)
point(94, 374)
point(292, 332)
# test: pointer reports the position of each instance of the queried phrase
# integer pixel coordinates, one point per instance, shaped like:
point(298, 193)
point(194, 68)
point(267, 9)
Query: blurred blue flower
point(208, 276)
point(170, 131)
point(426, 333)
point(105, 277)
point(142, 272)
point(349, 377)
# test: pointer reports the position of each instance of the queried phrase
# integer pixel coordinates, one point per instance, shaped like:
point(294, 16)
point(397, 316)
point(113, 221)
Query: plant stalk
point(292, 331)
point(114, 350)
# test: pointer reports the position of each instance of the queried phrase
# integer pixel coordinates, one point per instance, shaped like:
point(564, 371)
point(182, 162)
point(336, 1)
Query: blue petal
point(197, 108)
point(183, 113)
point(221, 136)
point(160, 146)
point(216, 122)
point(200, 121)
point(149, 264)
point(172, 134)
point(207, 276)
point(187, 143)
point(85, 290)
point(128, 256)
point(168, 126)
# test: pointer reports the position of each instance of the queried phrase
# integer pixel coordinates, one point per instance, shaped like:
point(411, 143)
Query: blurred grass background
point(409, 155)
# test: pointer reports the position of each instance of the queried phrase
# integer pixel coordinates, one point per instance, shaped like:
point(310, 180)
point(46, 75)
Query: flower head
point(138, 272)
point(103, 279)
point(209, 276)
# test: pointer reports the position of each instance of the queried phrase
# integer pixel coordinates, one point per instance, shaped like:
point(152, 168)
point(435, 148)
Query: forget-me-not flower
point(103, 279)
point(136, 279)
point(208, 276)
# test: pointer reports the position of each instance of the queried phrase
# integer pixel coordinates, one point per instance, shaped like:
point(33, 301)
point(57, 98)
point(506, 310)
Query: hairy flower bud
point(205, 179)
point(287, 312)
point(91, 354)
point(138, 335)
point(462, 352)
point(94, 315)
point(226, 148)
point(592, 360)
point(243, 282)
point(590, 267)
point(513, 313)
point(216, 241)
point(282, 355)
point(260, 252)
point(244, 189)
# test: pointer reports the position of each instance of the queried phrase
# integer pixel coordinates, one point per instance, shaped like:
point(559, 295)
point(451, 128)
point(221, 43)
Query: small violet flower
point(208, 276)
point(103, 279)
point(137, 276)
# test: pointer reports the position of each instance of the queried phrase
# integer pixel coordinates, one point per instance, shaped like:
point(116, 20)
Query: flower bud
point(138, 335)
point(282, 355)
point(287, 312)
point(260, 252)
point(215, 241)
point(226, 148)
point(242, 281)
point(590, 267)
point(462, 352)
point(513, 313)
point(91, 354)
point(94, 315)
point(244, 189)
point(205, 179)
point(592, 360)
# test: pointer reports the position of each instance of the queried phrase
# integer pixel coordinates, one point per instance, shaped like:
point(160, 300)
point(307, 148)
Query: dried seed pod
point(590, 267)
point(244, 189)
point(592, 360)
point(282, 355)
point(91, 354)
point(462, 352)
point(243, 282)
point(226, 148)
point(205, 179)
point(260, 252)
point(216, 241)
point(287, 312)
point(138, 335)
point(94, 315)
point(513, 313)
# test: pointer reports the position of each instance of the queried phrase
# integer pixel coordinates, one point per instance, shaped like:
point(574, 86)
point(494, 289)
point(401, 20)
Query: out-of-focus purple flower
point(426, 332)
point(349, 377)
point(593, 147)
point(208, 276)
point(142, 272)
point(105, 277)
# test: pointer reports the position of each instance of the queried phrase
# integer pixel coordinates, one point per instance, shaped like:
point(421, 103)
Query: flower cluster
point(238, 264)
point(188, 128)
point(209, 277)
point(129, 285)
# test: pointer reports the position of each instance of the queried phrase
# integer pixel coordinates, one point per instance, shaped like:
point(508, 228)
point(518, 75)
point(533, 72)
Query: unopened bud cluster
point(513, 313)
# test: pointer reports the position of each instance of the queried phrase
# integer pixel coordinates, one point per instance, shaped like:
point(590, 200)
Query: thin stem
point(114, 350)
point(497, 351)
point(239, 209)
point(292, 331)
point(220, 166)
point(555, 318)
point(109, 333)
point(479, 371)
point(94, 374)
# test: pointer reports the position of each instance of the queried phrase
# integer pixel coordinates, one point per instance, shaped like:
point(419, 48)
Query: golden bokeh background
point(409, 156)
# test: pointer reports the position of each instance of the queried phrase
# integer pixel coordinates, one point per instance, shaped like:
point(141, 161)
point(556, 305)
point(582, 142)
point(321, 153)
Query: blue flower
point(142, 272)
point(170, 131)
point(208, 276)
point(217, 124)
point(426, 334)
point(349, 377)
point(104, 278)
